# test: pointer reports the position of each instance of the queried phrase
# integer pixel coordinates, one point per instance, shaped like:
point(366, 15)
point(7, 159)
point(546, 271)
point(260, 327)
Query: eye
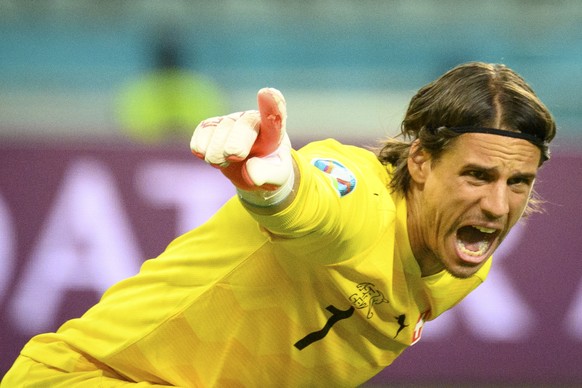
point(520, 181)
point(477, 175)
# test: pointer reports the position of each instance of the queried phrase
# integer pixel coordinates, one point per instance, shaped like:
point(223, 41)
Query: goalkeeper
point(324, 267)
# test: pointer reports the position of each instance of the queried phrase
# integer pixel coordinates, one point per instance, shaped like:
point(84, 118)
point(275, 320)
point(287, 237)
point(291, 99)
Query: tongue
point(471, 237)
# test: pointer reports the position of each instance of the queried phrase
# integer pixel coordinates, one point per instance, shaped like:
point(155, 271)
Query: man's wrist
point(268, 198)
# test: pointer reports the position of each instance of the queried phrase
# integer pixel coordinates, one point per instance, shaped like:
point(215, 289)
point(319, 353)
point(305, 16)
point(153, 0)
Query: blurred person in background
point(324, 267)
point(161, 105)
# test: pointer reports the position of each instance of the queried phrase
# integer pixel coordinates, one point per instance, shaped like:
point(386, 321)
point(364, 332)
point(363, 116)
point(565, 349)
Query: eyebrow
point(492, 170)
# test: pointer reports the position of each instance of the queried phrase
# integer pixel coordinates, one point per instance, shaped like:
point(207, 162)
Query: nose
point(495, 201)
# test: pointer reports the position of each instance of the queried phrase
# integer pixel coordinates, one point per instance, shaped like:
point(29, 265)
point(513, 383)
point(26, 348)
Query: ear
point(418, 163)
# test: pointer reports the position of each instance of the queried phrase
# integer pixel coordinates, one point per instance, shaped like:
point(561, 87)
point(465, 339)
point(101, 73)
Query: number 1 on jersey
point(336, 315)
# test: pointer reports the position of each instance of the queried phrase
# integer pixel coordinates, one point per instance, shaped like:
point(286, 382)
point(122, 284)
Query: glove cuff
point(267, 198)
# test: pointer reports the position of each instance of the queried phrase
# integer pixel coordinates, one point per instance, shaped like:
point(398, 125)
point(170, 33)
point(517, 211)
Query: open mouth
point(474, 242)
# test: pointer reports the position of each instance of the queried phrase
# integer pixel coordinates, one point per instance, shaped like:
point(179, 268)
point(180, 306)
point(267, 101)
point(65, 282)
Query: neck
point(428, 262)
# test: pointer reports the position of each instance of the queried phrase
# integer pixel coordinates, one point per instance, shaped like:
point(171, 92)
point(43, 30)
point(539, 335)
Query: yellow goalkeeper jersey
point(325, 293)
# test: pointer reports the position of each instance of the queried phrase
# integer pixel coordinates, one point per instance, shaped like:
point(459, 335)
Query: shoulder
point(332, 147)
point(345, 162)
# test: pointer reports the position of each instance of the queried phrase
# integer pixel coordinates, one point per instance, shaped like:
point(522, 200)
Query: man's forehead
point(494, 149)
point(533, 139)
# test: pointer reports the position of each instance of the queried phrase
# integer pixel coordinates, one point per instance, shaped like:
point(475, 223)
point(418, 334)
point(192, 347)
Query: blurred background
point(98, 100)
point(343, 65)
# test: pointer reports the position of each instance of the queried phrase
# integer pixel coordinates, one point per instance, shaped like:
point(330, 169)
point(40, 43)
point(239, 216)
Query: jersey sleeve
point(342, 201)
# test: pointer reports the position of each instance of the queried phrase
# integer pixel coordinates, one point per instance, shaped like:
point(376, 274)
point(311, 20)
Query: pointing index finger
point(272, 108)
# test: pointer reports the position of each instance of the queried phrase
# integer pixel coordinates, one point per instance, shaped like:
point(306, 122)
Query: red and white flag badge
point(418, 327)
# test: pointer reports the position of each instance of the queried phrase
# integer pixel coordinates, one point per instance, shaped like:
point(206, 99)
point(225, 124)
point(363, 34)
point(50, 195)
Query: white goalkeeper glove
point(251, 149)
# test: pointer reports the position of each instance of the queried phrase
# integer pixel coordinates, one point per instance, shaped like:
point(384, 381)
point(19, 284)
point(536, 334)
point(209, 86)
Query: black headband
point(540, 143)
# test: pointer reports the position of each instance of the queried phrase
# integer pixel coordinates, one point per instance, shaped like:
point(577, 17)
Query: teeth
point(482, 249)
point(484, 230)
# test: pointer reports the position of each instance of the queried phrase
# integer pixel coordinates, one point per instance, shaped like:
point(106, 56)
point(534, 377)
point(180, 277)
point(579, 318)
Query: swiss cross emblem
point(418, 327)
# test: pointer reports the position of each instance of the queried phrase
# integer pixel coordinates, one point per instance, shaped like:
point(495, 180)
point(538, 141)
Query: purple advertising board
point(74, 219)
